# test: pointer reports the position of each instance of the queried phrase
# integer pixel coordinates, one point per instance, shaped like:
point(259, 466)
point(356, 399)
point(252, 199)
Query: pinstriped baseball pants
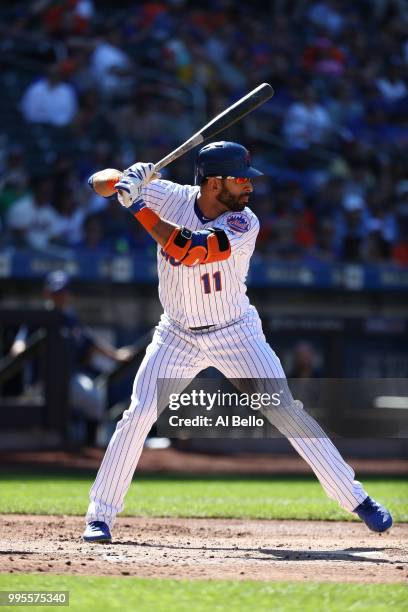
point(237, 350)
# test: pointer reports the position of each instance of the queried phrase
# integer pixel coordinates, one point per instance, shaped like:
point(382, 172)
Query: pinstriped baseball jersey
point(210, 294)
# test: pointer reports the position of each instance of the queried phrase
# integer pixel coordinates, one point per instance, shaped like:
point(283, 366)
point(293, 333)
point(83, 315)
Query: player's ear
point(213, 184)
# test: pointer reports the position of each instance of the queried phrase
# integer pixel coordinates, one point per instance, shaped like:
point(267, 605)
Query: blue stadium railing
point(141, 267)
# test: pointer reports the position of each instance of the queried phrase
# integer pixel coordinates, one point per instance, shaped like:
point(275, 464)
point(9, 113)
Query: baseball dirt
point(207, 548)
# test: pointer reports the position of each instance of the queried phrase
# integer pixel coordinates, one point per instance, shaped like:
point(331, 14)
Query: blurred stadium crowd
point(87, 85)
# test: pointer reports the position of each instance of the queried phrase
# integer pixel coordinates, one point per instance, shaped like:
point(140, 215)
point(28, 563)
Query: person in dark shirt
point(86, 397)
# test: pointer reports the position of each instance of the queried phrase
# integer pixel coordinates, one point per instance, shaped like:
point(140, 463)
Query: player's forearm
point(104, 349)
point(161, 232)
point(158, 229)
point(187, 247)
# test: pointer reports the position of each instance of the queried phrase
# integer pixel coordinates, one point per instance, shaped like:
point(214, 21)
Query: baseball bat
point(221, 122)
point(103, 182)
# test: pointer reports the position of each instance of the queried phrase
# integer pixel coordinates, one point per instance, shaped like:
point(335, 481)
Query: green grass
point(88, 593)
point(292, 498)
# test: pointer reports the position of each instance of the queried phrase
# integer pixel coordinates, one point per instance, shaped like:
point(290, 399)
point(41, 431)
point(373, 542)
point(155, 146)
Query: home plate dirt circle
point(206, 548)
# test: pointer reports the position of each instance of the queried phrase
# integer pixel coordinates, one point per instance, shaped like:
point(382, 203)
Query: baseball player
point(206, 235)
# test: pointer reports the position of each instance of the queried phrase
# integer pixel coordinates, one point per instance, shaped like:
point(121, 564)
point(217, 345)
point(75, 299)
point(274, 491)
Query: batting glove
point(133, 180)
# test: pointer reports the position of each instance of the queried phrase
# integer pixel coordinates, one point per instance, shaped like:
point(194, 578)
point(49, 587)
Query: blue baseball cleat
point(97, 531)
point(376, 517)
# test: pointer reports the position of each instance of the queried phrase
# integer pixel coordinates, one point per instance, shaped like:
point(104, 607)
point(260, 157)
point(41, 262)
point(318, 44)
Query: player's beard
point(232, 202)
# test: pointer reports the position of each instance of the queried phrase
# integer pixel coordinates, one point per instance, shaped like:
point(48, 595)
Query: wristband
point(136, 206)
point(146, 216)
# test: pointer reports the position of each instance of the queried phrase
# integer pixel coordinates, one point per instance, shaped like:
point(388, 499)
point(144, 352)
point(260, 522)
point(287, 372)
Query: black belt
point(201, 328)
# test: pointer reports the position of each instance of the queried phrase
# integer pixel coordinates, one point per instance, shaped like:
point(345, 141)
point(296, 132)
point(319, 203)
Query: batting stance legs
point(168, 356)
point(238, 350)
point(250, 356)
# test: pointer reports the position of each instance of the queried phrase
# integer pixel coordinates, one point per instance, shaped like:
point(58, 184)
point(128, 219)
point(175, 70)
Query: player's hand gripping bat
point(103, 182)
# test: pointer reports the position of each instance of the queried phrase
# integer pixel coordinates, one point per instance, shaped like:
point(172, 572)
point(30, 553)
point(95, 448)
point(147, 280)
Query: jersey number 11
point(207, 283)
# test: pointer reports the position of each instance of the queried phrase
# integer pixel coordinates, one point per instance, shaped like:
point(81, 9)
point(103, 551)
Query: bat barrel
point(231, 115)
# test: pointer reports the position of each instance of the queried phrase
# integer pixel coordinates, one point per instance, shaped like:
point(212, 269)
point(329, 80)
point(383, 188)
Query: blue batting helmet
point(224, 159)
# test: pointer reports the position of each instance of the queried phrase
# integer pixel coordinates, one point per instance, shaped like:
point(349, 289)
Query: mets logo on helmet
point(239, 222)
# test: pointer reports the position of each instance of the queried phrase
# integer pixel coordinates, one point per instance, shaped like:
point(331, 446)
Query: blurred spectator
point(178, 125)
point(70, 218)
point(323, 57)
point(177, 58)
point(120, 234)
point(327, 14)
point(391, 86)
point(32, 219)
point(352, 228)
point(92, 234)
point(91, 120)
point(283, 239)
point(306, 122)
point(325, 242)
point(328, 198)
point(85, 397)
point(344, 107)
point(111, 67)
point(376, 248)
point(50, 100)
point(304, 361)
point(359, 181)
point(13, 179)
